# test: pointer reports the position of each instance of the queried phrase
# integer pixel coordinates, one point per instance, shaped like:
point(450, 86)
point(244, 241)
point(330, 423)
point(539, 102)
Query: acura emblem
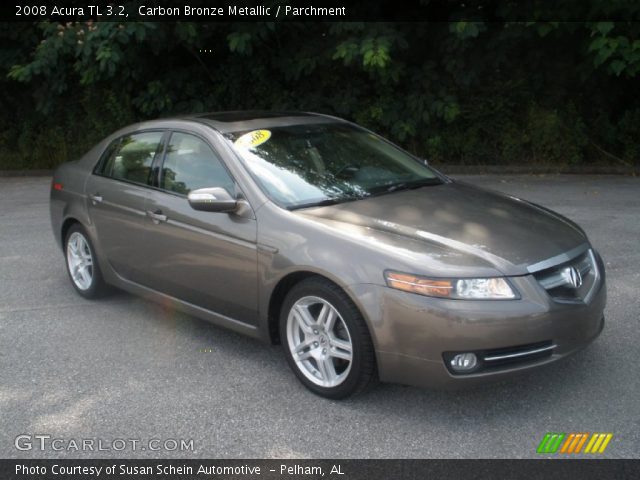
point(572, 276)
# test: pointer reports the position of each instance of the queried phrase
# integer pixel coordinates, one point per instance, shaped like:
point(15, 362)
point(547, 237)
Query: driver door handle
point(156, 216)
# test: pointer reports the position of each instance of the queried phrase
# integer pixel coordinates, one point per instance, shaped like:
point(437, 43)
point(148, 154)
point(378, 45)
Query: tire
point(318, 325)
point(80, 257)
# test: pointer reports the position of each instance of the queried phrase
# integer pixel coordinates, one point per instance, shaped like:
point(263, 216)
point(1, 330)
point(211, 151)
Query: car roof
point(237, 121)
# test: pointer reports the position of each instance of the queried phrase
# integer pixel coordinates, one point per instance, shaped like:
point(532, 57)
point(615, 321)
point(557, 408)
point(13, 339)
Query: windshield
point(307, 165)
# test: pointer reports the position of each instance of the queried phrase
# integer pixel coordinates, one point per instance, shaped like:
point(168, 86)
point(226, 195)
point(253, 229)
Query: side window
point(190, 164)
point(106, 157)
point(132, 157)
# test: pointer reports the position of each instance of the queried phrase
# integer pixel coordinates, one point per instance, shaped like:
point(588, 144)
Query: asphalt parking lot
point(125, 368)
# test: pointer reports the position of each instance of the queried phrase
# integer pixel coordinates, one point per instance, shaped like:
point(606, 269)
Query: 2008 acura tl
point(304, 229)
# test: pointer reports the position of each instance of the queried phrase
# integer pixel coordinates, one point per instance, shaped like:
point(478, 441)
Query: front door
point(205, 258)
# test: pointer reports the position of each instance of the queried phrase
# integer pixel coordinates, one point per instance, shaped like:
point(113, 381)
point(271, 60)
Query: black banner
point(315, 469)
point(317, 10)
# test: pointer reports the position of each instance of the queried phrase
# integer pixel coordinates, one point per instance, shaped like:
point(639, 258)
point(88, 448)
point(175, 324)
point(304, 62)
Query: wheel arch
point(64, 229)
point(286, 283)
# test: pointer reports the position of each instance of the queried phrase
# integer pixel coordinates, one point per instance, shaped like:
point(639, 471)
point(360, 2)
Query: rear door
point(208, 259)
point(117, 192)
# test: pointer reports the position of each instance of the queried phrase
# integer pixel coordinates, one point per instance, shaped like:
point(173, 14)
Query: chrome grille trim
point(494, 358)
point(554, 280)
point(596, 277)
point(558, 259)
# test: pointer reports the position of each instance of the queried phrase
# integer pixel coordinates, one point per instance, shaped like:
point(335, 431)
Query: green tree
point(459, 92)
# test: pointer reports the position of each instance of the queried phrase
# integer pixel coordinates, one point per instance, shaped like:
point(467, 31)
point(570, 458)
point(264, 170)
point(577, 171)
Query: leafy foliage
point(464, 92)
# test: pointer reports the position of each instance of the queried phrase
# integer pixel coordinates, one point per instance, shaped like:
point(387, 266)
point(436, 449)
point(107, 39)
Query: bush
point(461, 93)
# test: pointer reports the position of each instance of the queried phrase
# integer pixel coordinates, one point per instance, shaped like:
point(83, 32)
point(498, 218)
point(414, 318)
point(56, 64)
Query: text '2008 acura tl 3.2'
point(304, 229)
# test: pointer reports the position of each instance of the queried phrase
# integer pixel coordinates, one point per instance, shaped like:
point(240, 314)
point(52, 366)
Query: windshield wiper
point(322, 203)
point(383, 190)
point(406, 186)
point(413, 185)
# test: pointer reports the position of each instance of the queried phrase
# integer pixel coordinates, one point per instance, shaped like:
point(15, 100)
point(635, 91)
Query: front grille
point(505, 357)
point(571, 281)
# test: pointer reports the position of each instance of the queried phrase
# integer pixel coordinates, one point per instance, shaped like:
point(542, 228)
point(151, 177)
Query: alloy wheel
point(80, 261)
point(319, 341)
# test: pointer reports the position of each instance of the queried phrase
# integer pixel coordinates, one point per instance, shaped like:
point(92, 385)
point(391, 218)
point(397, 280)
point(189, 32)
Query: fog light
point(464, 362)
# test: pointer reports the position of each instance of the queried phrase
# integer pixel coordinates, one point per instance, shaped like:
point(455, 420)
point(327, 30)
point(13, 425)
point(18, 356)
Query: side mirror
point(212, 200)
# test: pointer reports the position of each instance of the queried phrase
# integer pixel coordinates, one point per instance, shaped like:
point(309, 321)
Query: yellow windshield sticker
point(253, 138)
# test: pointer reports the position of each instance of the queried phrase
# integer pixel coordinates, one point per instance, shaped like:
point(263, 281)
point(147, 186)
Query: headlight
point(496, 288)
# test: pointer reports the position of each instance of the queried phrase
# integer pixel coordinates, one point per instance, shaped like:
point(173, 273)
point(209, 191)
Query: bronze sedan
point(303, 229)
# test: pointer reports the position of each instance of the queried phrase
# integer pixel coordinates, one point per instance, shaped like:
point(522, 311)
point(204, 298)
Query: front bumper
point(412, 334)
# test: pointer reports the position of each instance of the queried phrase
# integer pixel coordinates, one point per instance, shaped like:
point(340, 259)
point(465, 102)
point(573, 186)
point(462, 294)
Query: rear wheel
point(82, 264)
point(326, 340)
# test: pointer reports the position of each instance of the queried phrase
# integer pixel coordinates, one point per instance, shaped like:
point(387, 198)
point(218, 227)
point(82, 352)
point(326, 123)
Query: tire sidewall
point(348, 312)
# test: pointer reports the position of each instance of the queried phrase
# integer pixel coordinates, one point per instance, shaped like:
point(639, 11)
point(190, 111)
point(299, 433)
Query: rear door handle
point(157, 216)
point(95, 198)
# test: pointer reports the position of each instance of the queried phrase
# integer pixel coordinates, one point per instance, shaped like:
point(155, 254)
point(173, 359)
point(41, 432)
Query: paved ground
point(126, 368)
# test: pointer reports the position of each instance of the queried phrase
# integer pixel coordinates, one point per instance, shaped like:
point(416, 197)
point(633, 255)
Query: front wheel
point(326, 340)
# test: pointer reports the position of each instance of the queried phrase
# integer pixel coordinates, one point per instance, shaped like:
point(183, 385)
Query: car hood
point(503, 231)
